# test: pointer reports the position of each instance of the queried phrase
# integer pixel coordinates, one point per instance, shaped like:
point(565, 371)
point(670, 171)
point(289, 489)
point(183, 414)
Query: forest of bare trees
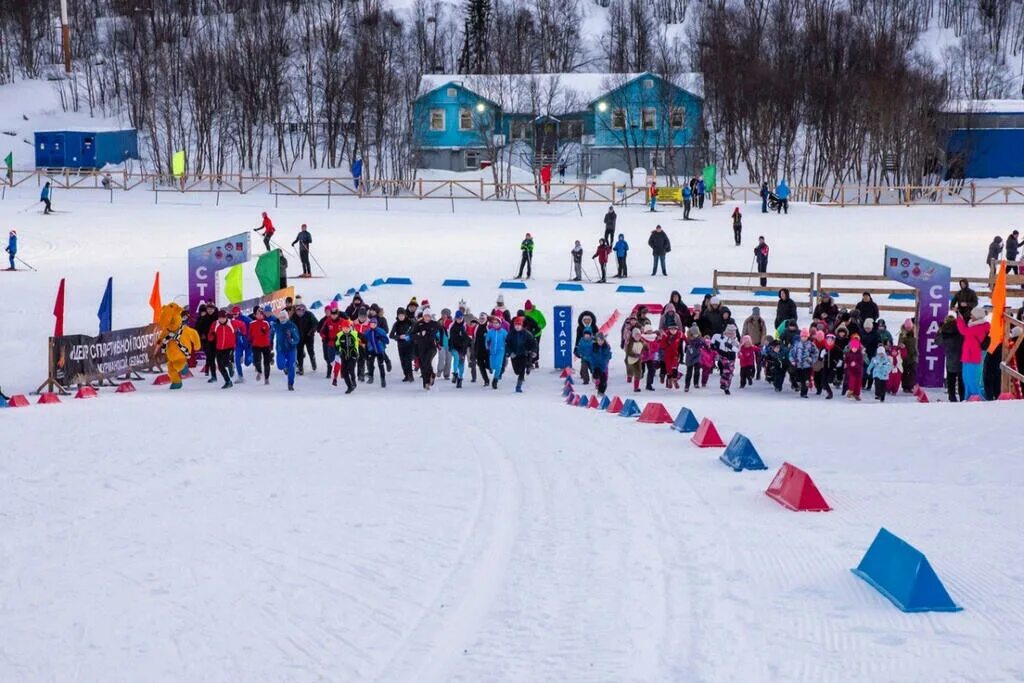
point(820, 91)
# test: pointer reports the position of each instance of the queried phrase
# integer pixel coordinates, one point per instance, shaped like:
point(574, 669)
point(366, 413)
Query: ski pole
point(751, 269)
point(317, 264)
point(18, 259)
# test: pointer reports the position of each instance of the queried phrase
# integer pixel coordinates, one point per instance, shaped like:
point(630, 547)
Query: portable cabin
point(85, 149)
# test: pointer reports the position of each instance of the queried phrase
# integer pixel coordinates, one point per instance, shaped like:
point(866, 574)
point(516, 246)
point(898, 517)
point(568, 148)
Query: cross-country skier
point(267, 228)
point(304, 239)
point(12, 248)
point(44, 197)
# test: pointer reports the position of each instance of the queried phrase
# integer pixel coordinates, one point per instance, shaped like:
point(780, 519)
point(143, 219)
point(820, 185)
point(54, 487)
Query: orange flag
point(154, 298)
point(997, 329)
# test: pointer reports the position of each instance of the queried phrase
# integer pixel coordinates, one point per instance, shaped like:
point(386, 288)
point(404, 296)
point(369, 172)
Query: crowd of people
point(845, 351)
point(354, 343)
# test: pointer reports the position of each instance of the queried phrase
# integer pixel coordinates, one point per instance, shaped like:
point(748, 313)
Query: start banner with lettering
point(207, 259)
point(79, 358)
point(931, 280)
point(563, 336)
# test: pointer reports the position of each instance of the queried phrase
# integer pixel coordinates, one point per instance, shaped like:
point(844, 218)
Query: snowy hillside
point(398, 535)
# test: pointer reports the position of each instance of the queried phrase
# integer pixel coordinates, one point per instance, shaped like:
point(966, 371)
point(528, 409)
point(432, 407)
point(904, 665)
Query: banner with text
point(563, 336)
point(931, 280)
point(80, 358)
point(207, 259)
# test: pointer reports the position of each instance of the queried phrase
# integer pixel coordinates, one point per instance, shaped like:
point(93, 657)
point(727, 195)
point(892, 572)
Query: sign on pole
point(206, 259)
point(563, 336)
point(931, 280)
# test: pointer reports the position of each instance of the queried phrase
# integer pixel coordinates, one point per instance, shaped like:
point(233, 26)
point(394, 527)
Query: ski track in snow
point(477, 535)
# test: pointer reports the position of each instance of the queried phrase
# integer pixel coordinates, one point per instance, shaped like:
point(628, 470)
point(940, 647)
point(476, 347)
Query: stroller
point(774, 202)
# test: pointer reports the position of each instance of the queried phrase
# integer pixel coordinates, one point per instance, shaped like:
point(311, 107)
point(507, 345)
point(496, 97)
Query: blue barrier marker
point(568, 287)
point(630, 289)
point(398, 281)
point(512, 284)
point(455, 283)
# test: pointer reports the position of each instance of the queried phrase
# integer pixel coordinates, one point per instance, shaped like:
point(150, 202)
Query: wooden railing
point(969, 194)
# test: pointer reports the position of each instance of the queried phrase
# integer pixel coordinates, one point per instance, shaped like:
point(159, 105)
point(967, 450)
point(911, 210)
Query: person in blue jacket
point(243, 348)
point(782, 192)
point(687, 200)
point(357, 171)
point(621, 248)
point(700, 193)
point(599, 357)
point(12, 248)
point(495, 342)
point(286, 343)
point(44, 197)
point(376, 340)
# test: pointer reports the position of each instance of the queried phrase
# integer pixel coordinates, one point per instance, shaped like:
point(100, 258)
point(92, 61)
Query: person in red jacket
point(267, 228)
point(329, 328)
point(672, 351)
point(545, 179)
point(603, 250)
point(222, 335)
point(259, 340)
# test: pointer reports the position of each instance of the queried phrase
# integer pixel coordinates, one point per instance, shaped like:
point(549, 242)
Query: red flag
point(154, 298)
point(58, 311)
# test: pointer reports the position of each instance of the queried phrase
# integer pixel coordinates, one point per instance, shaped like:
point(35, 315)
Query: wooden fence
point(969, 194)
point(736, 283)
point(1012, 372)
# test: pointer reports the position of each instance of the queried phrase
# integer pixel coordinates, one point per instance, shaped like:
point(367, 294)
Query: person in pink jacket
point(971, 354)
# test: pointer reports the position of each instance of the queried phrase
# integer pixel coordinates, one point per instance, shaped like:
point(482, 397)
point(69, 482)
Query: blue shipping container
point(85, 149)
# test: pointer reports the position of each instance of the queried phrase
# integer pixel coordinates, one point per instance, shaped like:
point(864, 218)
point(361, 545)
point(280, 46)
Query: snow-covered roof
point(984, 107)
point(513, 91)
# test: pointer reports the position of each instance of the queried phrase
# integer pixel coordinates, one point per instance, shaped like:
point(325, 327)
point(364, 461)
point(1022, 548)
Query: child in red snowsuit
point(853, 361)
point(748, 361)
point(672, 351)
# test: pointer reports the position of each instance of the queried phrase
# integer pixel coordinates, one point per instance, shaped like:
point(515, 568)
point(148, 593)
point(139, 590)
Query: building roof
point(984, 107)
point(546, 93)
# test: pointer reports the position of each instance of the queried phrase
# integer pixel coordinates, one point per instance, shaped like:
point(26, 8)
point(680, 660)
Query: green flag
point(233, 284)
point(268, 270)
point(178, 164)
point(709, 178)
point(9, 161)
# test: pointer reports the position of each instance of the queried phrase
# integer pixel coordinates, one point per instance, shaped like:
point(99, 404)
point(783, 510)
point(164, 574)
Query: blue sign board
point(563, 336)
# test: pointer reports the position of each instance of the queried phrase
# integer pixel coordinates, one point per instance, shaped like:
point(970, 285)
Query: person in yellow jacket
point(177, 341)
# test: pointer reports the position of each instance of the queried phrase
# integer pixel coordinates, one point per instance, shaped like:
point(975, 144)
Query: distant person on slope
point(609, 225)
point(577, 260)
point(761, 254)
point(782, 192)
point(44, 197)
point(357, 172)
point(737, 226)
point(12, 248)
point(526, 247)
point(304, 239)
point(267, 228)
point(660, 245)
point(602, 259)
point(621, 249)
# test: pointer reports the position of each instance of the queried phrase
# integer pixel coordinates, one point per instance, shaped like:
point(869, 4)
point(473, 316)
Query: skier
point(526, 246)
point(259, 341)
point(761, 255)
point(425, 336)
point(44, 197)
point(495, 342)
point(222, 335)
point(602, 259)
point(267, 228)
point(577, 260)
point(782, 192)
point(401, 332)
point(12, 248)
point(737, 226)
point(660, 245)
point(521, 349)
point(459, 344)
point(306, 324)
point(304, 239)
point(286, 341)
point(621, 249)
point(609, 225)
point(348, 345)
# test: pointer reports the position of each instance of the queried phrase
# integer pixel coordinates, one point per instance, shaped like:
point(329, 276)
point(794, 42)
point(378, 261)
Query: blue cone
point(363, 287)
point(740, 454)
point(629, 409)
point(685, 422)
point(338, 297)
point(316, 304)
point(605, 402)
point(584, 400)
point(566, 390)
point(902, 573)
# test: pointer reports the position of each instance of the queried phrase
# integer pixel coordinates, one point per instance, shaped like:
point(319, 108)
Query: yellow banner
point(178, 164)
point(670, 194)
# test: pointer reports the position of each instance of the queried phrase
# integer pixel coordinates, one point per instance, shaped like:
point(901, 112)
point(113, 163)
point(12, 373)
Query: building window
point(649, 118)
point(678, 117)
point(452, 92)
point(437, 119)
point(574, 130)
point(472, 158)
point(465, 119)
point(658, 159)
point(648, 83)
point(618, 119)
point(522, 130)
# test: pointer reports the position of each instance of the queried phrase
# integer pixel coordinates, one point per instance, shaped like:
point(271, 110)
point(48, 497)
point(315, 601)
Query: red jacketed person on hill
point(545, 179)
point(267, 228)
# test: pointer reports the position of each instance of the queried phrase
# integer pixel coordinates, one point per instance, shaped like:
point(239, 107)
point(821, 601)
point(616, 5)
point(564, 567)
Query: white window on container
point(472, 158)
point(437, 119)
point(618, 119)
point(648, 83)
point(452, 92)
point(465, 119)
point(677, 117)
point(648, 118)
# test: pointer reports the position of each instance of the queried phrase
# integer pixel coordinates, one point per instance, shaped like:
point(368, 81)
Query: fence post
point(613, 193)
point(481, 189)
point(419, 181)
point(842, 196)
point(973, 189)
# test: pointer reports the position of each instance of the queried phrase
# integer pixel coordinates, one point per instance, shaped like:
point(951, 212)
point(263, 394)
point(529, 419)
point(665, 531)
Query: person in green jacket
point(526, 246)
point(534, 314)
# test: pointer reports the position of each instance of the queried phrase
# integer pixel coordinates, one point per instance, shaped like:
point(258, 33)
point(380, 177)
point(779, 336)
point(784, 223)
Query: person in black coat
point(401, 332)
point(660, 245)
point(713, 318)
point(761, 256)
point(995, 250)
point(459, 343)
point(425, 337)
point(826, 310)
point(785, 308)
point(581, 324)
point(483, 356)
point(1012, 251)
point(868, 309)
point(609, 225)
point(204, 321)
point(306, 322)
point(520, 346)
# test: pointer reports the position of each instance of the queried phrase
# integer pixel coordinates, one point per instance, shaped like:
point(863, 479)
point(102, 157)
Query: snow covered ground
point(478, 535)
